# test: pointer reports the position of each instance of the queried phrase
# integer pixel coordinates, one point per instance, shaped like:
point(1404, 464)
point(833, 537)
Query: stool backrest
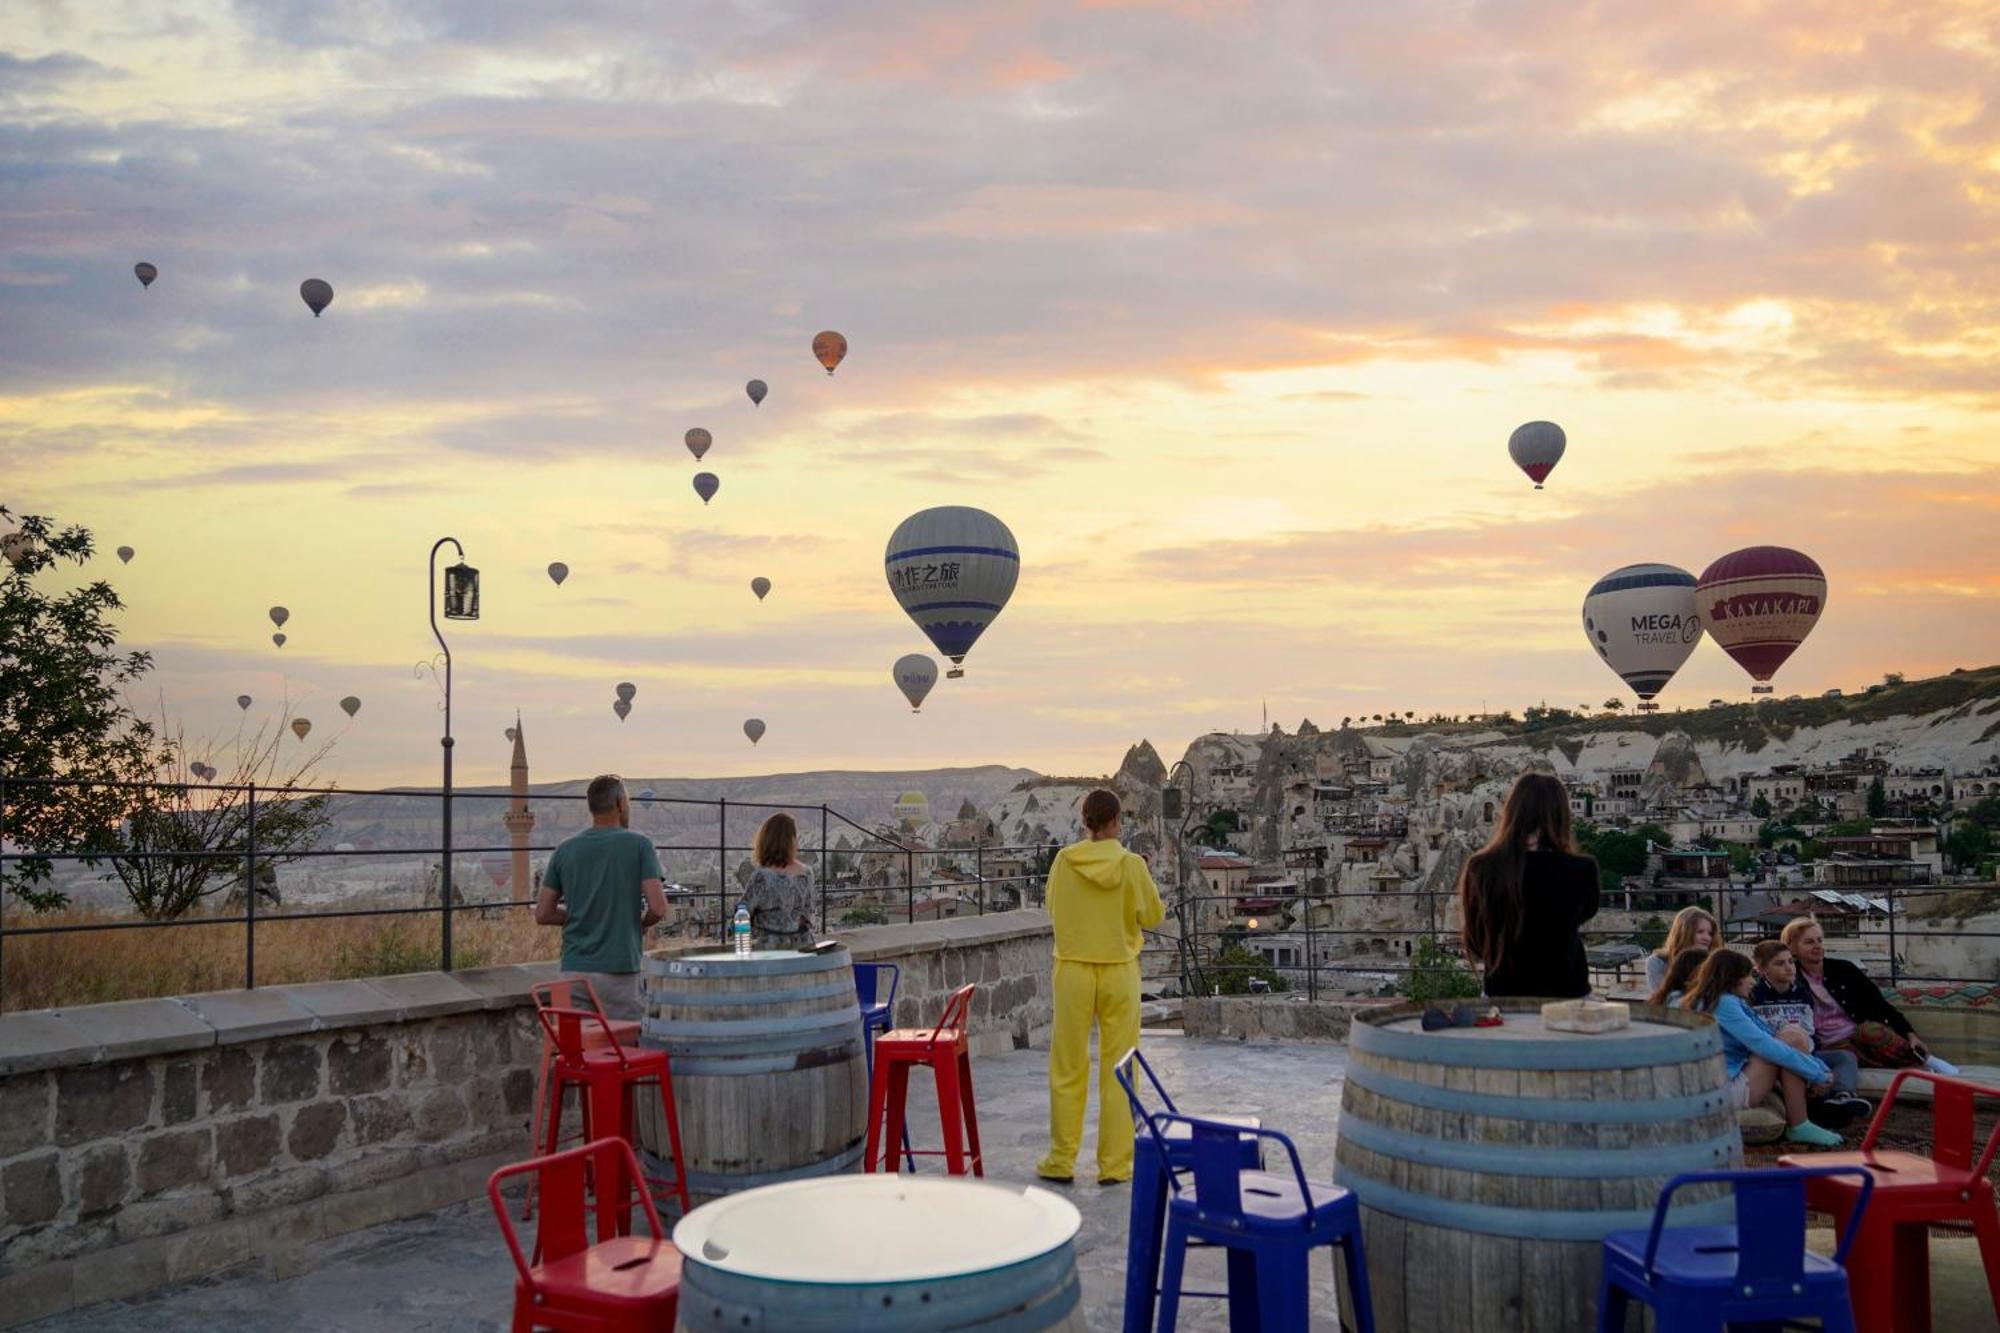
point(565, 1184)
point(955, 1010)
point(1215, 1154)
point(1122, 1071)
point(1770, 1217)
point(564, 1023)
point(1953, 1101)
point(868, 984)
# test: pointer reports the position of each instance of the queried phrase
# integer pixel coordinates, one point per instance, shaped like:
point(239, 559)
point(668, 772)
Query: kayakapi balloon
point(754, 729)
point(915, 673)
point(300, 727)
point(756, 389)
point(1536, 448)
point(558, 571)
point(952, 570)
point(830, 348)
point(145, 273)
point(125, 554)
point(1641, 619)
point(698, 441)
point(706, 484)
point(317, 293)
point(761, 586)
point(350, 705)
point(1760, 603)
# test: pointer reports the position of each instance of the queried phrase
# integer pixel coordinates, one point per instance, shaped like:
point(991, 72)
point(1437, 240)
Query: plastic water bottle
point(741, 932)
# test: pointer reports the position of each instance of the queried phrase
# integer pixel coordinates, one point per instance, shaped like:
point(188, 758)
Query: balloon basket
point(1763, 689)
point(956, 673)
point(1649, 708)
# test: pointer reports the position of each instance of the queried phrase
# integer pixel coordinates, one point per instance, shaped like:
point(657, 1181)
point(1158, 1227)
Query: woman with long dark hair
point(1523, 896)
point(779, 894)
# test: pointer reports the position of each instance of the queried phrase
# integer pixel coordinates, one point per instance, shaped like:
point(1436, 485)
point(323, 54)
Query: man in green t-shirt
point(603, 888)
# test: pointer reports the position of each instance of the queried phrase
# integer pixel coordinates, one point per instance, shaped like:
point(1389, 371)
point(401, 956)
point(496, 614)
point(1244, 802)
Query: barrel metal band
point(830, 990)
point(1523, 1223)
point(1674, 1046)
point(1506, 1159)
point(769, 1059)
point(1560, 1109)
point(673, 1032)
point(728, 966)
point(1042, 1293)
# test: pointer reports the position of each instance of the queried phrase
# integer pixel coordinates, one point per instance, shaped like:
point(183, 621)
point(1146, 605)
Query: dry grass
point(51, 971)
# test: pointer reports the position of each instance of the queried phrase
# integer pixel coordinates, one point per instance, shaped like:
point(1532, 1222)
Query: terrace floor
point(449, 1271)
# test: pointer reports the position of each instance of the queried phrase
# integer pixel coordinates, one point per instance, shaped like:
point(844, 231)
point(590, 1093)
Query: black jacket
point(1861, 998)
point(1545, 958)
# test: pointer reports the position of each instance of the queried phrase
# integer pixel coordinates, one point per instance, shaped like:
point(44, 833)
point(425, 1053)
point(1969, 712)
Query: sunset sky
point(1226, 310)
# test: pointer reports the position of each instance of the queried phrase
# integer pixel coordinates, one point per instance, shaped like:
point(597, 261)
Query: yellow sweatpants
point(1107, 994)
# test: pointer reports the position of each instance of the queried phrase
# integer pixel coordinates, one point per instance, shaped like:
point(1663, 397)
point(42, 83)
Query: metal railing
point(878, 878)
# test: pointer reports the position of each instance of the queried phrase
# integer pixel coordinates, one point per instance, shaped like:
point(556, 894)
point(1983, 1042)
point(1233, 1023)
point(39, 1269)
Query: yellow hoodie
point(1100, 896)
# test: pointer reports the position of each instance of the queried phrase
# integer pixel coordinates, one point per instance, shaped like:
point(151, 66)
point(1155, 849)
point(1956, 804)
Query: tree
point(1760, 806)
point(1614, 705)
point(1892, 678)
point(62, 714)
point(1233, 967)
point(1968, 844)
point(1878, 799)
point(1437, 974)
point(1215, 830)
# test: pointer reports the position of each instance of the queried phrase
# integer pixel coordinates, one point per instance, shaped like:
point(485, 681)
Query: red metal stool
point(624, 1030)
point(944, 1049)
point(1890, 1261)
point(621, 1283)
point(605, 1077)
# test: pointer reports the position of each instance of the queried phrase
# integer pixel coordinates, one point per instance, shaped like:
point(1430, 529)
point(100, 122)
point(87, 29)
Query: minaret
point(520, 820)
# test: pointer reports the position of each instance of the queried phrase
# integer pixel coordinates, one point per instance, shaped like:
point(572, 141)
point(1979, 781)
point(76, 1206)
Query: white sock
point(1938, 1065)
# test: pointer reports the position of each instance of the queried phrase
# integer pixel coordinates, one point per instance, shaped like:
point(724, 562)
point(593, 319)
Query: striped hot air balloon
point(1642, 621)
point(952, 570)
point(1759, 603)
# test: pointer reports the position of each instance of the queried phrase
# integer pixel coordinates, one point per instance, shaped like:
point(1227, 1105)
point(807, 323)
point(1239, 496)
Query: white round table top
point(873, 1229)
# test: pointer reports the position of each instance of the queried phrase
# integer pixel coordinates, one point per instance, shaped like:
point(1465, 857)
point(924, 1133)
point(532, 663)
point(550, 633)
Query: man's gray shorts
point(618, 991)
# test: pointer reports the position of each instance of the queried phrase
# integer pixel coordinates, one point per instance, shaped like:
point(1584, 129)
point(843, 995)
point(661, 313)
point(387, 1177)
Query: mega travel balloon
point(622, 708)
point(350, 705)
point(952, 570)
point(756, 389)
point(626, 689)
point(278, 639)
point(300, 727)
point(125, 554)
point(706, 484)
point(279, 615)
point(754, 729)
point(243, 701)
point(698, 441)
point(761, 586)
point(145, 273)
point(915, 673)
point(317, 293)
point(830, 348)
point(1642, 621)
point(558, 571)
point(1536, 448)
point(1759, 603)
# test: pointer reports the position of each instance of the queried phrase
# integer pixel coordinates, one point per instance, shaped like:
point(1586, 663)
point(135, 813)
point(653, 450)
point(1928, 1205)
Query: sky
point(1226, 310)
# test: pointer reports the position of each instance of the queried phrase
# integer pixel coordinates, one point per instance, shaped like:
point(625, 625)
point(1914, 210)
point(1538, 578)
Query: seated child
point(1783, 1001)
point(1758, 1061)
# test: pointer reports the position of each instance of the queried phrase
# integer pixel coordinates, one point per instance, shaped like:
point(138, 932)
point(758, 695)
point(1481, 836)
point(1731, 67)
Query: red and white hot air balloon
point(1759, 603)
point(1536, 448)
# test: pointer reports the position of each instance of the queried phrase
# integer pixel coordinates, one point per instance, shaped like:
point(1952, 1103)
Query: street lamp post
point(461, 602)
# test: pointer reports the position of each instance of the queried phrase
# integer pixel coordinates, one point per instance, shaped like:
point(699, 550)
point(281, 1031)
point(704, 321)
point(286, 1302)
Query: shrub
point(1436, 974)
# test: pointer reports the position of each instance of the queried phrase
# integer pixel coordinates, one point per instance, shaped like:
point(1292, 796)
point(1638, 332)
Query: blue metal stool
point(879, 1015)
point(1757, 1271)
point(1269, 1221)
point(1149, 1191)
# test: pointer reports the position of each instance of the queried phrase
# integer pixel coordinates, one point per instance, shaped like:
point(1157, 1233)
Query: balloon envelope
point(761, 586)
point(145, 273)
point(756, 389)
point(1759, 603)
point(125, 554)
point(300, 727)
point(278, 639)
point(279, 615)
point(626, 689)
point(1642, 621)
point(243, 702)
point(915, 673)
point(952, 570)
point(317, 293)
point(1536, 448)
point(622, 708)
point(558, 571)
point(706, 484)
point(754, 729)
point(698, 441)
point(350, 705)
point(830, 348)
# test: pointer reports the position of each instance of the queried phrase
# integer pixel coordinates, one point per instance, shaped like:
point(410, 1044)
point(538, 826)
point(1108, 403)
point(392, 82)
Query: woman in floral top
point(779, 894)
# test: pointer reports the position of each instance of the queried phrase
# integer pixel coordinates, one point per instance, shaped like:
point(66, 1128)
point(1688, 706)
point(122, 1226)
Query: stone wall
point(153, 1141)
point(1270, 1017)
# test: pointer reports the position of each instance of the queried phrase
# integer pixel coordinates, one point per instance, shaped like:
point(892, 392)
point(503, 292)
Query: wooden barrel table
point(770, 1076)
point(1490, 1162)
point(888, 1253)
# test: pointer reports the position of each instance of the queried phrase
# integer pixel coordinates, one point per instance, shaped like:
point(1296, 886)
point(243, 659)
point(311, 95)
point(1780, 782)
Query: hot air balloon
point(761, 586)
point(279, 615)
point(125, 554)
point(558, 571)
point(243, 701)
point(952, 569)
point(1641, 619)
point(706, 484)
point(317, 293)
point(206, 772)
point(350, 705)
point(510, 733)
point(18, 547)
point(754, 729)
point(1759, 603)
point(300, 727)
point(1536, 448)
point(915, 673)
point(626, 689)
point(278, 639)
point(756, 389)
point(622, 708)
point(698, 441)
point(145, 273)
point(830, 348)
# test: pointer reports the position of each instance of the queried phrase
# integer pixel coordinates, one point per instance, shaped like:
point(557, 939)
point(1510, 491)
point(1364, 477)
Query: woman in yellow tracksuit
point(1100, 897)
